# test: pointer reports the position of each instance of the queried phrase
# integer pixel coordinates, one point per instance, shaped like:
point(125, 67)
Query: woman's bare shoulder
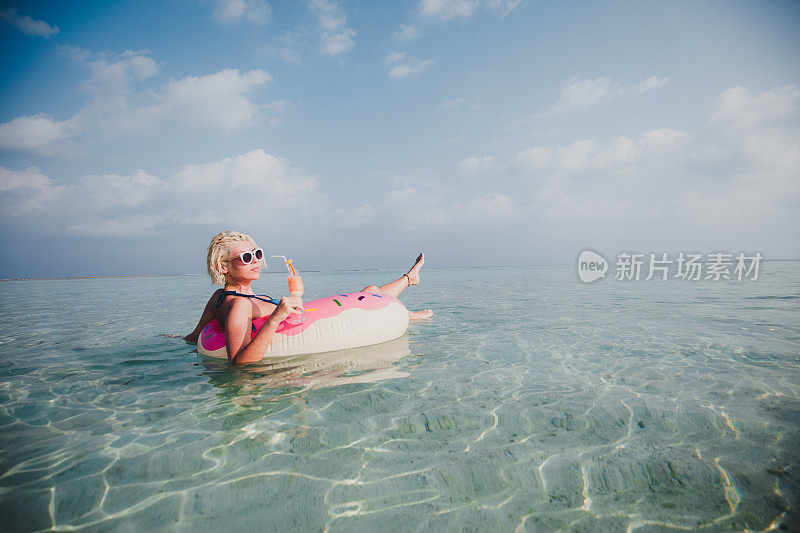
point(241, 307)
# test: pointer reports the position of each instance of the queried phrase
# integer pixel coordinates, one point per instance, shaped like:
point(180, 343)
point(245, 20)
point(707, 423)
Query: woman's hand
point(287, 306)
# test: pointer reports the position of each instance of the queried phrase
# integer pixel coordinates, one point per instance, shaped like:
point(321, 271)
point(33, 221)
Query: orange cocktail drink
point(296, 286)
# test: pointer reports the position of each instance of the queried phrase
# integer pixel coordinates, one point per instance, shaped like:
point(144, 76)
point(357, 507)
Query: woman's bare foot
point(416, 315)
point(413, 274)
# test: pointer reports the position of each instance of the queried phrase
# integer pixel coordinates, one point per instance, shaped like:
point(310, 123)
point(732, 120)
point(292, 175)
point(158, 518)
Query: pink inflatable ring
point(334, 323)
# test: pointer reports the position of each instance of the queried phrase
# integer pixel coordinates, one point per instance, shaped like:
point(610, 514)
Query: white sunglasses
point(248, 257)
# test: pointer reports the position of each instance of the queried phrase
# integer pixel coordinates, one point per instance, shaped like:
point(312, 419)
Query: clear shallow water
point(530, 402)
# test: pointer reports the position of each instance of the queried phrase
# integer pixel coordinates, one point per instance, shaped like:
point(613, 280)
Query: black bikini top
point(263, 298)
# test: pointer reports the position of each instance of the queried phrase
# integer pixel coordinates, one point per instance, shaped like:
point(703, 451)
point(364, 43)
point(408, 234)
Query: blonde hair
point(218, 252)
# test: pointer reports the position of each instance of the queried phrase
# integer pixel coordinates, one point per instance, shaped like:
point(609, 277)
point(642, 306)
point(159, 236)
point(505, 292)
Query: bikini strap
point(263, 298)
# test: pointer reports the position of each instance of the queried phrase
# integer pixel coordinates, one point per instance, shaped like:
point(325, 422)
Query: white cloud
point(254, 12)
point(117, 105)
point(665, 186)
point(26, 24)
point(220, 100)
point(118, 206)
point(503, 7)
point(27, 192)
point(580, 95)
point(760, 132)
point(358, 217)
point(653, 82)
point(535, 158)
point(40, 134)
point(461, 103)
point(447, 10)
point(120, 226)
point(337, 43)
point(336, 37)
point(591, 156)
point(111, 190)
point(406, 33)
point(732, 185)
point(275, 112)
point(740, 106)
point(257, 171)
point(403, 65)
point(112, 77)
point(268, 191)
point(287, 48)
point(602, 182)
point(474, 165)
point(114, 106)
point(439, 211)
point(103, 199)
point(557, 203)
point(255, 189)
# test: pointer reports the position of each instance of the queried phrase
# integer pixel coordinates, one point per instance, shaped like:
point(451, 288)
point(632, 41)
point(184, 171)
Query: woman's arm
point(237, 329)
point(208, 315)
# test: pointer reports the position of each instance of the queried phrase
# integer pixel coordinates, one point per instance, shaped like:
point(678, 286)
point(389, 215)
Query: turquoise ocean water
point(530, 402)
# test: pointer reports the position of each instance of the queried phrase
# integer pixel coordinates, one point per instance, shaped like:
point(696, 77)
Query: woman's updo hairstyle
point(218, 252)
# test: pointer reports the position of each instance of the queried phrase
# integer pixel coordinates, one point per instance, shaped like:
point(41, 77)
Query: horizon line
point(54, 278)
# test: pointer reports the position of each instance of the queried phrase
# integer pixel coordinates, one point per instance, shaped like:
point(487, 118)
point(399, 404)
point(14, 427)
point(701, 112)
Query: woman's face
point(237, 270)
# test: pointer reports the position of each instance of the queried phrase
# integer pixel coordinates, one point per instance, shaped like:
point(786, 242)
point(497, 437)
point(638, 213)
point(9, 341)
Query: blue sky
point(354, 134)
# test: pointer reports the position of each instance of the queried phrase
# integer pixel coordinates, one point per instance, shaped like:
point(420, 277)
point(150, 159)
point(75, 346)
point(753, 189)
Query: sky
point(354, 134)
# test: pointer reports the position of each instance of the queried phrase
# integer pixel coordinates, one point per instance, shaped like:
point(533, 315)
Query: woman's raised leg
point(397, 286)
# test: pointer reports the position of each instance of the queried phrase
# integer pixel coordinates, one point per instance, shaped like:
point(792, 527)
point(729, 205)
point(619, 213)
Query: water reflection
point(275, 384)
point(312, 371)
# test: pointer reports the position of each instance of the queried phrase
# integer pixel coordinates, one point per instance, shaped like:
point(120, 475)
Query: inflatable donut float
point(337, 322)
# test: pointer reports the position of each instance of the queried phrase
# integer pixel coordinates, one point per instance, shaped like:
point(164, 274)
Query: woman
point(234, 261)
